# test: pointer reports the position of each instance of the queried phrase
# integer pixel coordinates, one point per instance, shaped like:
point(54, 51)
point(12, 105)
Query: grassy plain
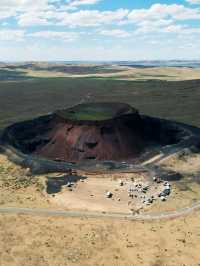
point(176, 100)
point(114, 71)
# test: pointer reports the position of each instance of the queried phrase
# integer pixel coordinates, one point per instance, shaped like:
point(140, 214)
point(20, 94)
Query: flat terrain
point(28, 240)
point(19, 189)
point(117, 72)
point(43, 241)
point(36, 240)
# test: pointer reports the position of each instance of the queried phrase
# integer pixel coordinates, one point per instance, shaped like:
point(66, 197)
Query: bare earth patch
point(54, 241)
point(20, 189)
point(33, 240)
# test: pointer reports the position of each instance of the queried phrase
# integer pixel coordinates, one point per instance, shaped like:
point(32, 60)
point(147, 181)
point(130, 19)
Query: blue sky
point(99, 30)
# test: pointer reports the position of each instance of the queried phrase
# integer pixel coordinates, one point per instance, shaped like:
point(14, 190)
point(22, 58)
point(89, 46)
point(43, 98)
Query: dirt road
point(62, 213)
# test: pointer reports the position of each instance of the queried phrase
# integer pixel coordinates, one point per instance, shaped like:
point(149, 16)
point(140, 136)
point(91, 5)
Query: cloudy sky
point(99, 29)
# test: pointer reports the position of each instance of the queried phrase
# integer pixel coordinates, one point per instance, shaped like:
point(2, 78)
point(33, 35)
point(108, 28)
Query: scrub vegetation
point(176, 100)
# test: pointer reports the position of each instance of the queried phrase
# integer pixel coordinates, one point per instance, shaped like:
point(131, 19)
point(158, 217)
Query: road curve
point(88, 214)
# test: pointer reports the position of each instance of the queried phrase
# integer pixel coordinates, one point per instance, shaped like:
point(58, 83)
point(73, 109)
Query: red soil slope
point(117, 138)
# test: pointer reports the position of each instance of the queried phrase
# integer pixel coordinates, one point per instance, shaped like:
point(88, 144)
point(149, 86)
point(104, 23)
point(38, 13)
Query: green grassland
point(6, 74)
point(86, 115)
point(95, 112)
point(25, 99)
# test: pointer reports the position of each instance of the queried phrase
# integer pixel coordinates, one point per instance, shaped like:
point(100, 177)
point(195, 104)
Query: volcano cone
point(94, 131)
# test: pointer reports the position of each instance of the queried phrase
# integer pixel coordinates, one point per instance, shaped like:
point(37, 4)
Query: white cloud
point(44, 51)
point(24, 4)
point(32, 18)
point(66, 36)
point(12, 35)
point(193, 1)
point(115, 33)
point(174, 29)
point(146, 26)
point(46, 12)
point(171, 28)
point(92, 18)
point(6, 14)
point(83, 2)
point(182, 30)
point(163, 18)
point(162, 11)
point(26, 9)
point(161, 24)
point(81, 18)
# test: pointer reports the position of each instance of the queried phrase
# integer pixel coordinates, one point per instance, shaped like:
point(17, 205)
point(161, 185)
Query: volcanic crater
point(106, 131)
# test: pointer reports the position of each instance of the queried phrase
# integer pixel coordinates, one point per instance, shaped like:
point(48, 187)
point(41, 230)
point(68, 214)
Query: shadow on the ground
point(54, 184)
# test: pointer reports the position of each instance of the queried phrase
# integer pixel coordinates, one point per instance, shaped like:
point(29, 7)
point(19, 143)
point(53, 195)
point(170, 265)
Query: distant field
point(109, 71)
point(6, 74)
point(20, 100)
point(42, 70)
